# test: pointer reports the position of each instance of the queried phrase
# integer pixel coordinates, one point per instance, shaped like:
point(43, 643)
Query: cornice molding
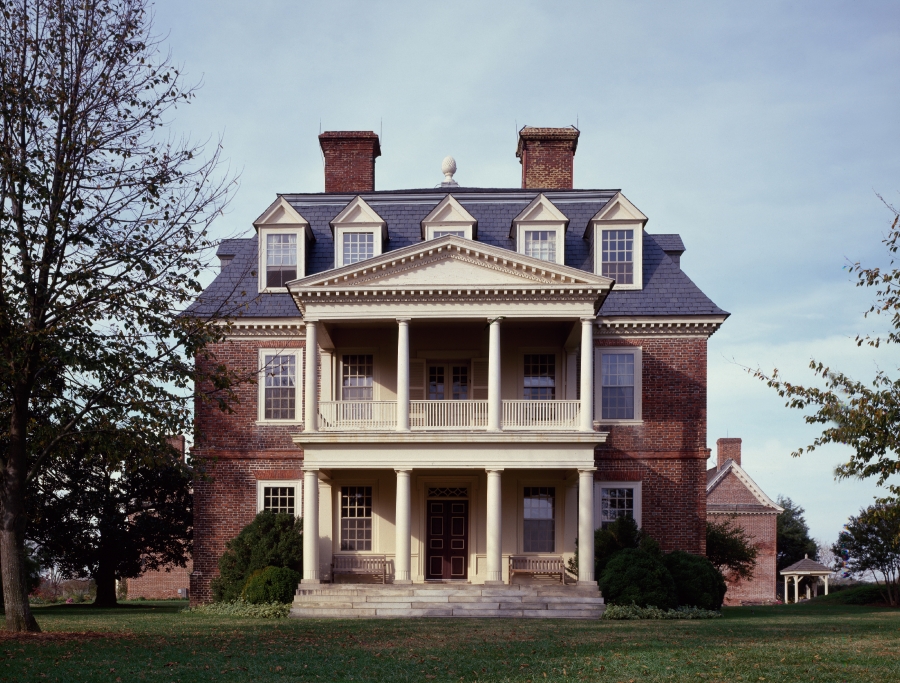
point(659, 327)
point(266, 329)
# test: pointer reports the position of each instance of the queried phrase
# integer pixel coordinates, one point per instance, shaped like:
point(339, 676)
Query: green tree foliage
point(730, 549)
point(864, 416)
point(112, 507)
point(792, 535)
point(870, 545)
point(620, 534)
point(697, 582)
point(272, 584)
point(270, 540)
point(640, 577)
point(103, 236)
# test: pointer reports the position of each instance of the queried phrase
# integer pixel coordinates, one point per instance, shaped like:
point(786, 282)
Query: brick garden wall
point(668, 451)
point(161, 584)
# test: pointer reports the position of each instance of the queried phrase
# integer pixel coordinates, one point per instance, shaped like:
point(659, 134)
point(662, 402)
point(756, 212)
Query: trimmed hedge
point(239, 608)
point(698, 583)
point(272, 584)
point(636, 576)
point(633, 612)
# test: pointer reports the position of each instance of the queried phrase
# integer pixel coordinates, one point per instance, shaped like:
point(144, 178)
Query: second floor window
point(617, 386)
point(281, 259)
point(356, 518)
point(357, 377)
point(539, 528)
point(541, 244)
point(280, 387)
point(358, 246)
point(540, 377)
point(618, 256)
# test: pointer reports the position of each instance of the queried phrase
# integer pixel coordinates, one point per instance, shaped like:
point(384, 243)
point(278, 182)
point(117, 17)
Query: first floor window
point(615, 503)
point(280, 386)
point(540, 377)
point(541, 244)
point(539, 527)
point(617, 256)
point(357, 377)
point(617, 371)
point(356, 518)
point(358, 246)
point(280, 499)
point(281, 259)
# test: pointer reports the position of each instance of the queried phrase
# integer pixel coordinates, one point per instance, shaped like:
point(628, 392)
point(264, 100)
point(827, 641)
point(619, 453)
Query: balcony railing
point(341, 416)
point(541, 414)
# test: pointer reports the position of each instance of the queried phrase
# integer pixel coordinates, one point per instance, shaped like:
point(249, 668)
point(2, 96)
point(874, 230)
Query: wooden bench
point(537, 566)
point(367, 565)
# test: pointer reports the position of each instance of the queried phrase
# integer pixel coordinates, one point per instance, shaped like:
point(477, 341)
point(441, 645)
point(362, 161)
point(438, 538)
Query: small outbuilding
point(805, 568)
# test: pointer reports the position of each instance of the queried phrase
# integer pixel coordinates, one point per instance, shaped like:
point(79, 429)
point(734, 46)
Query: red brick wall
point(350, 160)
point(231, 453)
point(731, 491)
point(728, 449)
point(668, 451)
point(548, 157)
point(161, 584)
point(761, 588)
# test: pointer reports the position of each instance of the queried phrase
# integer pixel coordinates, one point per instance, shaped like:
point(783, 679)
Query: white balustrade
point(541, 414)
point(339, 416)
point(448, 414)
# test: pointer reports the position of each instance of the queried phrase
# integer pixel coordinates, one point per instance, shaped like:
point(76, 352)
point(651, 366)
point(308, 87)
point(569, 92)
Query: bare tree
point(103, 232)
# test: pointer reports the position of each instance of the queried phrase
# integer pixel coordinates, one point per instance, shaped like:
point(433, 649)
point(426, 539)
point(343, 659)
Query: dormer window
point(283, 235)
point(540, 231)
point(617, 236)
point(437, 232)
point(449, 217)
point(359, 233)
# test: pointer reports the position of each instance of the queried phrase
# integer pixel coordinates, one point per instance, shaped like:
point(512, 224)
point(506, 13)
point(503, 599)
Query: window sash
point(540, 377)
point(358, 246)
point(438, 232)
point(617, 386)
point(614, 503)
point(541, 244)
point(358, 377)
point(356, 518)
point(280, 499)
point(539, 523)
point(281, 259)
point(617, 255)
point(280, 391)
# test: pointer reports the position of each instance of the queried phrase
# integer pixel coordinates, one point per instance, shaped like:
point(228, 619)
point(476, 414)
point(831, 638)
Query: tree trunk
point(105, 578)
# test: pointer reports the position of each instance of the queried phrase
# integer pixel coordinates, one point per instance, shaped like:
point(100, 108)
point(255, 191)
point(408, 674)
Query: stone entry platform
point(528, 601)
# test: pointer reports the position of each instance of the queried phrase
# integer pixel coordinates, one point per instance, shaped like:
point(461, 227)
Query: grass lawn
point(153, 641)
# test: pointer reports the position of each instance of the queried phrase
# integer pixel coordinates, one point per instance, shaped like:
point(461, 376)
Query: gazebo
point(805, 567)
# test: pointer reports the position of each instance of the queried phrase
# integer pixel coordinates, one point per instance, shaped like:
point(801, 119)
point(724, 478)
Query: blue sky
point(761, 132)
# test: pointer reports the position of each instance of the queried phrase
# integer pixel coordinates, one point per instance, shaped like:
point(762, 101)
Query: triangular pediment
point(357, 213)
point(449, 213)
point(731, 468)
point(541, 210)
point(620, 209)
point(281, 214)
point(451, 261)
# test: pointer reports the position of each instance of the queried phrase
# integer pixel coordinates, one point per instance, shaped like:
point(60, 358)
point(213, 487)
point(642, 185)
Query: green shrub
point(638, 576)
point(697, 582)
point(631, 612)
point(239, 608)
point(270, 540)
point(272, 584)
point(621, 534)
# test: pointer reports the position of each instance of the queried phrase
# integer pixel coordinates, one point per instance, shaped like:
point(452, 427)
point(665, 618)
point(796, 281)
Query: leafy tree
point(870, 543)
point(270, 540)
point(730, 549)
point(113, 507)
point(103, 231)
point(864, 416)
point(638, 576)
point(792, 535)
point(272, 584)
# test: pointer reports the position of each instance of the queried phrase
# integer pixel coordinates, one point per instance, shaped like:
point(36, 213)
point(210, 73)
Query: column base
point(494, 583)
point(586, 583)
point(308, 581)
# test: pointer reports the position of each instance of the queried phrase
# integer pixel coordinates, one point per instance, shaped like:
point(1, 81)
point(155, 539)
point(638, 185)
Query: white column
point(495, 403)
point(402, 375)
point(310, 526)
point(787, 596)
point(311, 383)
point(494, 535)
point(587, 374)
point(402, 559)
point(586, 527)
point(796, 589)
point(826, 585)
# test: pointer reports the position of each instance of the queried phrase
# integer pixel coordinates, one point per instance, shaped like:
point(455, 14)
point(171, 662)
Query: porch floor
point(528, 601)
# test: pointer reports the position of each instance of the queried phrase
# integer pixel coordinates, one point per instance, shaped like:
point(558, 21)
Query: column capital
point(497, 470)
point(586, 470)
point(311, 469)
point(400, 470)
point(588, 319)
point(497, 319)
point(403, 320)
point(310, 321)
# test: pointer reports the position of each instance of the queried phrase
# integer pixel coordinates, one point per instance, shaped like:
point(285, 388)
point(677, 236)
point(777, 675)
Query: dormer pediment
point(451, 215)
point(618, 210)
point(281, 214)
point(358, 214)
point(541, 211)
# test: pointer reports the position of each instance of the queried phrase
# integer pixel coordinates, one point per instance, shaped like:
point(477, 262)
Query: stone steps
point(349, 601)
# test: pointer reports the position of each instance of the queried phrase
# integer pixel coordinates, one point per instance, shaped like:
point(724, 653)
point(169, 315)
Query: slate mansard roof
point(667, 290)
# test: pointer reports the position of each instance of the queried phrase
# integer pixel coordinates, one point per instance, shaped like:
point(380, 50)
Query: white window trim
point(337, 487)
point(637, 253)
point(341, 230)
point(261, 386)
point(300, 232)
point(638, 383)
point(598, 492)
point(431, 229)
point(559, 505)
point(261, 484)
point(558, 228)
point(339, 370)
point(520, 370)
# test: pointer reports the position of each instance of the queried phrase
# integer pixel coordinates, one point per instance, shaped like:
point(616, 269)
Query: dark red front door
point(447, 551)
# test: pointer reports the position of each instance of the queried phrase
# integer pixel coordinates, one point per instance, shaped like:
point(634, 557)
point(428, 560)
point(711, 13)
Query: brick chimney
point(728, 449)
point(350, 160)
point(547, 156)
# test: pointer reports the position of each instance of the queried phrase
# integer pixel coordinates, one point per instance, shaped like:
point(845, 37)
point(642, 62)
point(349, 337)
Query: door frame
point(422, 483)
point(448, 365)
point(451, 501)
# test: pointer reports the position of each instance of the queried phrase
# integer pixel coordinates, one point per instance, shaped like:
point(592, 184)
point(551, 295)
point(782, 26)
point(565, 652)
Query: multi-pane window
point(279, 499)
point(358, 378)
point(281, 259)
point(280, 386)
point(358, 246)
point(539, 528)
point(541, 244)
point(617, 257)
point(456, 233)
point(436, 382)
point(356, 518)
point(460, 382)
point(540, 377)
point(617, 386)
point(615, 503)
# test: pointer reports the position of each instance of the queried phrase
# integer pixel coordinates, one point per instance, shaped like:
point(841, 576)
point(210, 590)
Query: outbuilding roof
point(806, 566)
